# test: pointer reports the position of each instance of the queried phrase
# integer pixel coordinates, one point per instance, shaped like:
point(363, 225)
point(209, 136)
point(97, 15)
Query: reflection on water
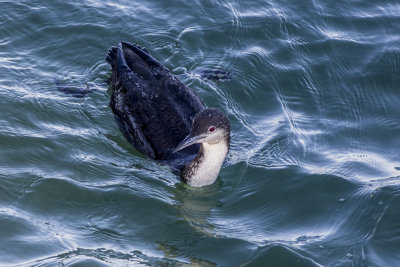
point(312, 177)
point(195, 205)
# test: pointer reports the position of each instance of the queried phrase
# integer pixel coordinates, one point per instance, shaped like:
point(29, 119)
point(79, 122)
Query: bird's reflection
point(195, 204)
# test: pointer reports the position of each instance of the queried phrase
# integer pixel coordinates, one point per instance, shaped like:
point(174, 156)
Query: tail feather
point(142, 52)
point(112, 57)
point(133, 59)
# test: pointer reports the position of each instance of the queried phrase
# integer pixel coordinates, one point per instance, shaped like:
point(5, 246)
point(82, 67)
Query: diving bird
point(164, 119)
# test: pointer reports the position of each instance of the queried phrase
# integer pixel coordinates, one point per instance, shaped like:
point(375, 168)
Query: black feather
point(153, 108)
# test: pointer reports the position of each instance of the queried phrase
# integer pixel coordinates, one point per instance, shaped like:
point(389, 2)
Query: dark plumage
point(153, 109)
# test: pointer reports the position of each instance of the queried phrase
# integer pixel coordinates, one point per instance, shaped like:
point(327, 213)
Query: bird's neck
point(204, 168)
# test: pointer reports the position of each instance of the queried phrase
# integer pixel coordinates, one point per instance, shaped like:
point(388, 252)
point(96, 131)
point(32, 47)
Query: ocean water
point(313, 174)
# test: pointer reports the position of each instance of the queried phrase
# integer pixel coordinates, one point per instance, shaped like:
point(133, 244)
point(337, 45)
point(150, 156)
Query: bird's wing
point(153, 108)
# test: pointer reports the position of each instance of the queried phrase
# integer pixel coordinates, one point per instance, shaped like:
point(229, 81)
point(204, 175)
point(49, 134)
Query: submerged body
point(162, 118)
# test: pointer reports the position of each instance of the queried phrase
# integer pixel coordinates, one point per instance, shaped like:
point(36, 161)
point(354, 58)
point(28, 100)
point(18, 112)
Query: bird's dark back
point(153, 108)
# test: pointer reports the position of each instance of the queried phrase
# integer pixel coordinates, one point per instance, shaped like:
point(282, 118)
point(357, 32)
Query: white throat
point(204, 170)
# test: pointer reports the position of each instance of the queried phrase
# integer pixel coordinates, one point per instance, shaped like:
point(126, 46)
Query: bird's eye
point(211, 129)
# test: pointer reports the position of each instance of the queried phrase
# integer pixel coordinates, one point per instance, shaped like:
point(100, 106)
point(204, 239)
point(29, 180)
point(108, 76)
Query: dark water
point(313, 175)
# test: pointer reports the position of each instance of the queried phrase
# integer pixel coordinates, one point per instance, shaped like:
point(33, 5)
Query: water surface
point(313, 174)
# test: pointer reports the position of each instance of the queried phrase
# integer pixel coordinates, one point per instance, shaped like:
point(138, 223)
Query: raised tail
point(112, 57)
point(134, 58)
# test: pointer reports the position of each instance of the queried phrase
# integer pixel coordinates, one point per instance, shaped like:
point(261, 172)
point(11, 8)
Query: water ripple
point(312, 177)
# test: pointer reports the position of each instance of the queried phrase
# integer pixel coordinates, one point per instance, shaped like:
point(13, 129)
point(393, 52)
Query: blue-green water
point(313, 175)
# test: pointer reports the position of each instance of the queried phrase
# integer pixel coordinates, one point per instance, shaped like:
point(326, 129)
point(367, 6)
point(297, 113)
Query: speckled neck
point(204, 168)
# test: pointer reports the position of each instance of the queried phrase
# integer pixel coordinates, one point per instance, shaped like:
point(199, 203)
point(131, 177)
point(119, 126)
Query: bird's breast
point(204, 169)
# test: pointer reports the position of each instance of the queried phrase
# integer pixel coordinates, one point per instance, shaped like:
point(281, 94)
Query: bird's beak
point(188, 141)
